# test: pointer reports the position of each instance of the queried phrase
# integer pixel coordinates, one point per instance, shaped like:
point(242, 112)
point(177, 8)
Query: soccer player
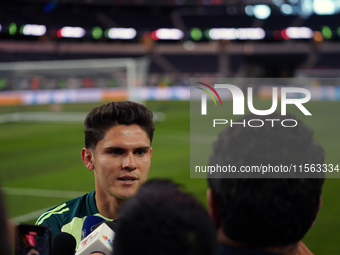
point(265, 216)
point(118, 138)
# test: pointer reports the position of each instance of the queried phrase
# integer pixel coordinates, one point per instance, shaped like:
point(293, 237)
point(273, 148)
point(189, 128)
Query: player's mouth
point(128, 180)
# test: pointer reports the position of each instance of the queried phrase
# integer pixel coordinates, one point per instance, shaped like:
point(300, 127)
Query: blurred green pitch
point(40, 155)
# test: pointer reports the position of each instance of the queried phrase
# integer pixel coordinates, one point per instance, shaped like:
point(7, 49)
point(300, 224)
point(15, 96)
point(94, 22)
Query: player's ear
point(213, 208)
point(150, 152)
point(87, 158)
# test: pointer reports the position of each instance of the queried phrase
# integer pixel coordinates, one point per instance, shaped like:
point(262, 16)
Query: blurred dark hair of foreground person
point(265, 216)
point(162, 219)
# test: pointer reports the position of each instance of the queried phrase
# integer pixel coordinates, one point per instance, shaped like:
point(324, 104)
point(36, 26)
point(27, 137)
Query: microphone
point(63, 244)
point(100, 240)
point(111, 224)
point(89, 224)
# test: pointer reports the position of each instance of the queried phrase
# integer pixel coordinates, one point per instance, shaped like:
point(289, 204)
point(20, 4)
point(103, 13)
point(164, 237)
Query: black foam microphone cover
point(63, 244)
point(111, 224)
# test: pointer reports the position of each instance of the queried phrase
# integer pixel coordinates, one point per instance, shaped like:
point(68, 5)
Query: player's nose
point(129, 162)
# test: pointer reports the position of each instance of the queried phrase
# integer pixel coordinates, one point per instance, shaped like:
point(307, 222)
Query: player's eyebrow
point(143, 148)
point(120, 148)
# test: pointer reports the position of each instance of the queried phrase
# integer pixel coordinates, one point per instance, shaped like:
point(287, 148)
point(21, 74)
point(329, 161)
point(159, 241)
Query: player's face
point(121, 161)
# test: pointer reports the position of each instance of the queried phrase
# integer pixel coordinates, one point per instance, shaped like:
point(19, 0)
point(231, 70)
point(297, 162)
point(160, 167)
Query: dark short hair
point(161, 219)
point(102, 118)
point(267, 212)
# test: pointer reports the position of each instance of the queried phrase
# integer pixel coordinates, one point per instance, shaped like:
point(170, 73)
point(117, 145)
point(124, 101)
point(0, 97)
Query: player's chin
point(127, 192)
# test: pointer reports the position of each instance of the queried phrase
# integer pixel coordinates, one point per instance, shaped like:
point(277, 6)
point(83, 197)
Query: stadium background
point(41, 163)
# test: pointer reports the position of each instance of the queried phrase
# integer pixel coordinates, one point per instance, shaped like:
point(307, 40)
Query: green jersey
point(69, 217)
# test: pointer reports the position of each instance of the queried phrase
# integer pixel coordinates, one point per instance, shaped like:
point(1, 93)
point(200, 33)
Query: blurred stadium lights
point(189, 45)
point(196, 34)
point(226, 34)
point(318, 37)
point(286, 9)
point(175, 34)
point(305, 8)
point(167, 34)
point(251, 20)
point(327, 32)
point(33, 30)
point(97, 32)
point(277, 35)
point(121, 33)
point(249, 10)
point(71, 32)
point(12, 28)
point(326, 7)
point(284, 34)
point(234, 33)
point(260, 11)
point(299, 33)
point(50, 6)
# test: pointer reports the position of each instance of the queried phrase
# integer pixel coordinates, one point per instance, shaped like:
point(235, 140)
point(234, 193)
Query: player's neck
point(108, 206)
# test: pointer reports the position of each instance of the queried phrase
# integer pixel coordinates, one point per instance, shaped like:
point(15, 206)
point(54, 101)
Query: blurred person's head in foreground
point(162, 219)
point(271, 214)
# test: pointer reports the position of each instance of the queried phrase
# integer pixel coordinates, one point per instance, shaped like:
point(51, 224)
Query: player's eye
point(116, 152)
point(140, 152)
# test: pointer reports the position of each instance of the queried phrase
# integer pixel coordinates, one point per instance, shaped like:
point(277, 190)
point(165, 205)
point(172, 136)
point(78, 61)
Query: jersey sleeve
point(52, 222)
point(50, 218)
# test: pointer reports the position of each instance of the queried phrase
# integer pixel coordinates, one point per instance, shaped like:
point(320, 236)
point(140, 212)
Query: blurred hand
point(303, 250)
